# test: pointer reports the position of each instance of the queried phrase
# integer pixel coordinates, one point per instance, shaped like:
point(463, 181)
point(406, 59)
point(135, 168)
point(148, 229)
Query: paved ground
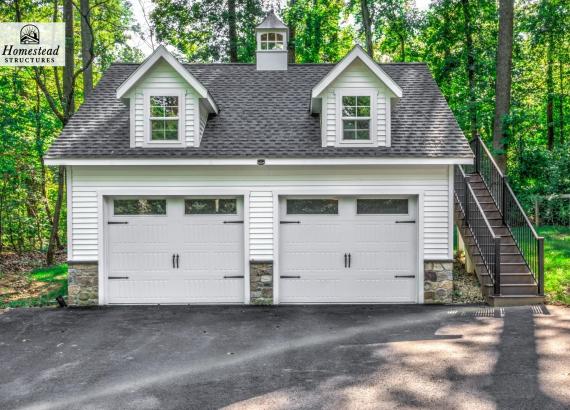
point(288, 357)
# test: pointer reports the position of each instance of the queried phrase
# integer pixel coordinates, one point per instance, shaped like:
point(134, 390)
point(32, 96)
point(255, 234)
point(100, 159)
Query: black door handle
point(349, 260)
point(173, 260)
point(345, 260)
point(177, 260)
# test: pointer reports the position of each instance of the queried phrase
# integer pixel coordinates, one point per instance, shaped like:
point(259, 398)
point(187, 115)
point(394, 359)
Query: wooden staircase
point(506, 277)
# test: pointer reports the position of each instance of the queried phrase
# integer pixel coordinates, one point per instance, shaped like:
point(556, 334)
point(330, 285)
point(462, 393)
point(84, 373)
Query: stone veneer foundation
point(82, 283)
point(261, 283)
point(438, 282)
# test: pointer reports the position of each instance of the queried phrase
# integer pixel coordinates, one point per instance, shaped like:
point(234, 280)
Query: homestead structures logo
point(30, 34)
point(32, 44)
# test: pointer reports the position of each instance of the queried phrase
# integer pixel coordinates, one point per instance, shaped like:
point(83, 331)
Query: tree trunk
point(292, 34)
point(367, 26)
point(56, 215)
point(470, 68)
point(86, 48)
point(68, 109)
point(550, 93)
point(561, 101)
point(232, 31)
point(503, 81)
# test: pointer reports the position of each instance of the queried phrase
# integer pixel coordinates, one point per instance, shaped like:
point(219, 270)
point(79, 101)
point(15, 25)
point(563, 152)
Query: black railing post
point(503, 200)
point(497, 284)
point(540, 245)
point(466, 201)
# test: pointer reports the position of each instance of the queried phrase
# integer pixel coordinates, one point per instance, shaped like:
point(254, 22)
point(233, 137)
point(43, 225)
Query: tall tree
point(503, 82)
point(292, 35)
point(470, 67)
point(232, 31)
point(367, 26)
point(86, 47)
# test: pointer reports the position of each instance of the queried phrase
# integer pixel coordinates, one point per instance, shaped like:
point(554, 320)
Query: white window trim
point(181, 94)
point(359, 92)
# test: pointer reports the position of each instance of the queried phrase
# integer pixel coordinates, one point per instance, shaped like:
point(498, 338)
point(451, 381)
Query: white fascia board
point(162, 52)
point(356, 52)
point(268, 162)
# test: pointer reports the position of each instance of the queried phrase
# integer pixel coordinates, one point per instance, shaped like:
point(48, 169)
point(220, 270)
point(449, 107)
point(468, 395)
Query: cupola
point(272, 36)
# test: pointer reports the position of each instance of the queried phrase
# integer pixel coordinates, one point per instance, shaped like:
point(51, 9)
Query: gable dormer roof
point(271, 21)
point(161, 53)
point(356, 53)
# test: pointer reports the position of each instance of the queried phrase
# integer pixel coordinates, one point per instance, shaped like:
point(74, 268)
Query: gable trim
point(162, 53)
point(356, 52)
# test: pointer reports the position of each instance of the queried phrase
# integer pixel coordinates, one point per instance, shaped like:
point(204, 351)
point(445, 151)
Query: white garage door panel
point(208, 250)
point(312, 264)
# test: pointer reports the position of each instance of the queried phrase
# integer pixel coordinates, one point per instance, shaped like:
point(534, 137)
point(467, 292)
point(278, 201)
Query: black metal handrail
point(529, 243)
point(488, 243)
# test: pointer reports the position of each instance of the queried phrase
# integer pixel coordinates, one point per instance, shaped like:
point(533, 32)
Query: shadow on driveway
point(285, 357)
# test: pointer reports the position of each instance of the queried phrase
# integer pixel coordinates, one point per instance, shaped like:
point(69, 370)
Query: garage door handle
point(233, 277)
point(289, 277)
point(404, 276)
point(233, 222)
point(117, 222)
point(289, 222)
point(405, 222)
point(345, 260)
point(177, 261)
point(173, 261)
point(349, 257)
point(118, 277)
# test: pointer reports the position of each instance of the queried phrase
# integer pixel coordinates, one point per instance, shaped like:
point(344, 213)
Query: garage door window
point(139, 206)
point(210, 206)
point(391, 206)
point(312, 206)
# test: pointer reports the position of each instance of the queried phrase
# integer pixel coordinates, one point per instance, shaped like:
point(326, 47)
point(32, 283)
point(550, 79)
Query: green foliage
point(28, 124)
point(321, 32)
point(199, 28)
point(556, 263)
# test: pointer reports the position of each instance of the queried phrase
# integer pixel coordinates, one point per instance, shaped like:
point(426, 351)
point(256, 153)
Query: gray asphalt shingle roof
point(265, 114)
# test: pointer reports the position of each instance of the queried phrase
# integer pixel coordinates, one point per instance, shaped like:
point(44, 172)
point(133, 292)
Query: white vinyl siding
point(356, 76)
point(89, 181)
point(261, 225)
point(203, 120)
point(163, 77)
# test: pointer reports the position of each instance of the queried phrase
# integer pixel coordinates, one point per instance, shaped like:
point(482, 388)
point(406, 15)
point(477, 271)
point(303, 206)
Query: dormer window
point(165, 116)
point(272, 41)
point(356, 117)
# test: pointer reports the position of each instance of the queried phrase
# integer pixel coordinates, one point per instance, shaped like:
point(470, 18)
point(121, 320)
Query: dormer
point(168, 106)
point(272, 36)
point(354, 102)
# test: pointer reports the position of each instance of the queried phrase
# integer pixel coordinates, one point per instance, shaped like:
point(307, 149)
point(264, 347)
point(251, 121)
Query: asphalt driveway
point(286, 357)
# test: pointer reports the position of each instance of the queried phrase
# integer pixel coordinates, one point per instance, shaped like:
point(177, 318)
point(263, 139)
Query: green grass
point(55, 280)
point(556, 263)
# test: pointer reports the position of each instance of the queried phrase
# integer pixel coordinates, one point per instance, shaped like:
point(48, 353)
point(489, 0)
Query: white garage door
point(175, 250)
point(348, 250)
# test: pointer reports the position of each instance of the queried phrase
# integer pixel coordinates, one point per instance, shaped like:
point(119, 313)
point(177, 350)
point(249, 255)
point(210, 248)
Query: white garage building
point(264, 183)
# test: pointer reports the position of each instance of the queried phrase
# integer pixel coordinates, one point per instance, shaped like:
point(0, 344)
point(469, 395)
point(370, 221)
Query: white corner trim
point(253, 162)
point(451, 215)
point(356, 52)
point(69, 202)
point(162, 53)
